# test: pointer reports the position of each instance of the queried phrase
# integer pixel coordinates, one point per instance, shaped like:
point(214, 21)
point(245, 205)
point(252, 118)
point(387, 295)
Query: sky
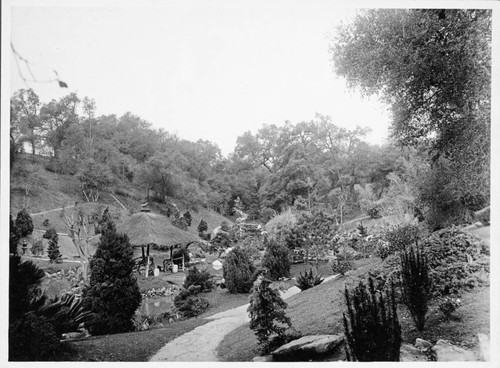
point(201, 69)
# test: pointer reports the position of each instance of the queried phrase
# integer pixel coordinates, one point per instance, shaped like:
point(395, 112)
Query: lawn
point(319, 311)
point(127, 347)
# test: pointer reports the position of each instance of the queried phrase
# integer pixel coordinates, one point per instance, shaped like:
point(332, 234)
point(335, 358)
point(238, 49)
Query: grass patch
point(127, 347)
point(319, 311)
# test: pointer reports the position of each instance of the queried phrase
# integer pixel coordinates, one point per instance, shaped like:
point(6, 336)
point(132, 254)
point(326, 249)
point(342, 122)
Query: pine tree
point(267, 312)
point(53, 248)
point(202, 227)
point(24, 223)
point(113, 294)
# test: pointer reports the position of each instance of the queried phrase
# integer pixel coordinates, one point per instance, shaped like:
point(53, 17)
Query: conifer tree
point(24, 223)
point(53, 248)
point(267, 312)
point(113, 294)
point(277, 261)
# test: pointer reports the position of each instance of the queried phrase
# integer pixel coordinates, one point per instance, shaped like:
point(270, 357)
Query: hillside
point(52, 196)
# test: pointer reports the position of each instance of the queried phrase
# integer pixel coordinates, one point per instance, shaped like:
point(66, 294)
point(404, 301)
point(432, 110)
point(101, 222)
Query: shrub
point(53, 248)
point(202, 227)
point(37, 247)
point(180, 222)
point(187, 216)
point(341, 266)
point(189, 304)
point(277, 260)
point(46, 222)
point(112, 295)
point(32, 338)
point(267, 313)
point(448, 305)
point(416, 284)
point(14, 235)
point(24, 223)
point(383, 249)
point(308, 280)
point(374, 211)
point(402, 235)
point(371, 326)
point(237, 271)
point(201, 278)
point(458, 261)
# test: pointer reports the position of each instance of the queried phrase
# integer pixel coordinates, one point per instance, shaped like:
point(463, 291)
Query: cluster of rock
point(324, 347)
point(160, 292)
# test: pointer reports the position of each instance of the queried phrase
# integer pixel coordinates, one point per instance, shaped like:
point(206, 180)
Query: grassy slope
point(319, 311)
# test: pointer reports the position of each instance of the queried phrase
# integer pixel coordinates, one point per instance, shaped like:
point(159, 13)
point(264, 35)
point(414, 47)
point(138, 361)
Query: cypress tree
point(53, 248)
point(113, 294)
point(237, 271)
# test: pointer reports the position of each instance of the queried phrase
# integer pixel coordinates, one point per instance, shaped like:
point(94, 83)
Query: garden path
point(201, 343)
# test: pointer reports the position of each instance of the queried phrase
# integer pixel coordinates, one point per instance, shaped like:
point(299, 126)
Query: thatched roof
point(147, 228)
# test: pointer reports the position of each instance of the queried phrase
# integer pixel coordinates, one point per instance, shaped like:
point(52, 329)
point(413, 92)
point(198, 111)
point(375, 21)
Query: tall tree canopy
point(433, 67)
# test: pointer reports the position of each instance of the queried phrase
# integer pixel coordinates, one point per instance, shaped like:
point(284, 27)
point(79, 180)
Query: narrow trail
point(200, 344)
point(52, 210)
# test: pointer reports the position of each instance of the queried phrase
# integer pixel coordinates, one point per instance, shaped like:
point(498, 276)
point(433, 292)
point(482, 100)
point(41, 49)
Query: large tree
point(433, 67)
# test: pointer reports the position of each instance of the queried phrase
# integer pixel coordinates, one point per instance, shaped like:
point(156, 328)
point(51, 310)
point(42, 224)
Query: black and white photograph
point(249, 181)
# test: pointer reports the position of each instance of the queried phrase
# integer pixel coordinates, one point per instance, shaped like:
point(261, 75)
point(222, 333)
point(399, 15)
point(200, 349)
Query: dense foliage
point(189, 303)
point(201, 278)
point(24, 223)
point(433, 67)
point(113, 294)
point(267, 313)
point(276, 260)
point(371, 325)
point(237, 271)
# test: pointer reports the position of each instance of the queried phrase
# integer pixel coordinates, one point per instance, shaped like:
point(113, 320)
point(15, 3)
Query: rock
point(308, 346)
point(422, 344)
point(444, 351)
point(484, 347)
point(265, 358)
point(409, 353)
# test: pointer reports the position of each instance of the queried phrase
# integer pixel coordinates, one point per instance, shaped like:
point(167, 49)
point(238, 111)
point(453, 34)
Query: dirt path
point(200, 344)
point(52, 210)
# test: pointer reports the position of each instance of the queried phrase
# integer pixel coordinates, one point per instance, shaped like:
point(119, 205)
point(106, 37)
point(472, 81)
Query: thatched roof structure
point(145, 228)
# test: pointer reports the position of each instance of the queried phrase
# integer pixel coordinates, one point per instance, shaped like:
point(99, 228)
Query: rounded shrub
point(277, 261)
point(201, 278)
point(189, 303)
point(237, 271)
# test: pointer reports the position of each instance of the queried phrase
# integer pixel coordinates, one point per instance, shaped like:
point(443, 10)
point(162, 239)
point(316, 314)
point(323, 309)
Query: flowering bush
point(448, 305)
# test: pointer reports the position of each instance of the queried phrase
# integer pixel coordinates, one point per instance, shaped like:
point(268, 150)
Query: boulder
point(422, 344)
point(265, 358)
point(409, 353)
point(444, 351)
point(308, 347)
